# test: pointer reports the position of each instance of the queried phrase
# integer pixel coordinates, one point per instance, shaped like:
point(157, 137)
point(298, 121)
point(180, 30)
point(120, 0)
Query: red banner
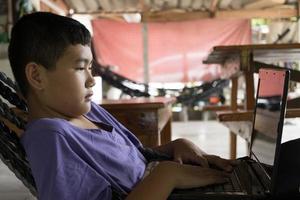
point(175, 49)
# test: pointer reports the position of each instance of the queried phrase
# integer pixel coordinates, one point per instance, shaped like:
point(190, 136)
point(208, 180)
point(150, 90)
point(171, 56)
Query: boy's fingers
point(215, 172)
point(222, 163)
point(178, 160)
point(221, 180)
point(202, 161)
point(221, 173)
point(228, 165)
point(217, 178)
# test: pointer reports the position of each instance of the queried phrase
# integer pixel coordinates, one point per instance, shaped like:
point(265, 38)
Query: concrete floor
point(211, 136)
point(10, 187)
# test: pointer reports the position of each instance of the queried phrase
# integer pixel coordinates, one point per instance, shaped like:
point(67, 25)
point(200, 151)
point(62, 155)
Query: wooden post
point(247, 63)
point(145, 53)
point(234, 107)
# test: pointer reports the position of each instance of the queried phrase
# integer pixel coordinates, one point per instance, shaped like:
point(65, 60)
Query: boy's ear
point(34, 74)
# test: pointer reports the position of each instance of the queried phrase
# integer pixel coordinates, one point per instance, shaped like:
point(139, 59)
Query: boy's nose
point(90, 81)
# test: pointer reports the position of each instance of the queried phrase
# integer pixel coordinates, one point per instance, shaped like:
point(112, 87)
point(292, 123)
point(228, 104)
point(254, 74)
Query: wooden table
point(240, 121)
point(245, 60)
point(148, 118)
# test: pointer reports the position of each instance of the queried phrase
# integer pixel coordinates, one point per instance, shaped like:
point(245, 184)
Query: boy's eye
point(79, 68)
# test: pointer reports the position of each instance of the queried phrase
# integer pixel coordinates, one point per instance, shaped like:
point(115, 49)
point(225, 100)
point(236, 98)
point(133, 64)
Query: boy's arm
point(184, 151)
point(168, 175)
point(157, 185)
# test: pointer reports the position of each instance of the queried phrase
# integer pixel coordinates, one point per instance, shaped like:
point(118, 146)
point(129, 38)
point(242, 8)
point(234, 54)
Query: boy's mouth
point(88, 96)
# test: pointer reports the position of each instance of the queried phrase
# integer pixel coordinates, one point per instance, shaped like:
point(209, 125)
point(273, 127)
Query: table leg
point(166, 133)
point(232, 145)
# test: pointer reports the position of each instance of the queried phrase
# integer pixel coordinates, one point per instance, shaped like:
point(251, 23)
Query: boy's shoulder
point(43, 129)
point(46, 124)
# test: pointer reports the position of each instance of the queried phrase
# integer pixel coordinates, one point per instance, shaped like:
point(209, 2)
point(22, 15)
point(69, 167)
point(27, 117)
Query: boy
point(75, 148)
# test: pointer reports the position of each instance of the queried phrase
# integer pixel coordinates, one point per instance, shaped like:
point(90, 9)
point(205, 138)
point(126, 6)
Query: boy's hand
point(168, 175)
point(185, 151)
point(221, 163)
point(190, 176)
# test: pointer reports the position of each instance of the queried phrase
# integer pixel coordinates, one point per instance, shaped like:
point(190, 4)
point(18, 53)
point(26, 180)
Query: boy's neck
point(80, 121)
point(36, 110)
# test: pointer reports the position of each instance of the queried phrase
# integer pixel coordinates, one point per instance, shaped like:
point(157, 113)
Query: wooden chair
point(11, 151)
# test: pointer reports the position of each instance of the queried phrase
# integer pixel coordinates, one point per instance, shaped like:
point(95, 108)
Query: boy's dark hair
point(42, 38)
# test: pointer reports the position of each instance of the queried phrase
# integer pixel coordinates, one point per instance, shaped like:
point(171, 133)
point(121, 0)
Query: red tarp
point(176, 49)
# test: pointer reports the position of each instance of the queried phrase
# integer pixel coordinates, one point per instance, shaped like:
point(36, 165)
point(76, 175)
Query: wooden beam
point(247, 115)
point(106, 15)
point(57, 6)
point(293, 103)
point(261, 4)
point(173, 15)
point(213, 7)
point(270, 13)
point(219, 108)
point(298, 7)
point(182, 15)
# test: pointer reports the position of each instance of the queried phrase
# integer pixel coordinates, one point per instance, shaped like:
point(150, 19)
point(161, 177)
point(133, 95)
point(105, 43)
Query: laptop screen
point(267, 121)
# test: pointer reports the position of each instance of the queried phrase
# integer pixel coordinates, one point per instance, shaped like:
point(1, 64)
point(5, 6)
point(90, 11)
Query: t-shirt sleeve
point(61, 174)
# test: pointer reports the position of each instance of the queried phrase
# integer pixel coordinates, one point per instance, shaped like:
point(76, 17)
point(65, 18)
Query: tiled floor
point(211, 136)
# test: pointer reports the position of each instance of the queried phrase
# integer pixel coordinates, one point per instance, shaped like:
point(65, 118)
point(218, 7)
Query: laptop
point(257, 176)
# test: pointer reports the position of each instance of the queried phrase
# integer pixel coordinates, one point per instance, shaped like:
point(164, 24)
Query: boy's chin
point(87, 107)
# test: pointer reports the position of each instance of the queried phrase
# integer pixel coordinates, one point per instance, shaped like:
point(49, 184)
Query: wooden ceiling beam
point(298, 7)
point(57, 6)
point(164, 16)
point(262, 4)
point(270, 13)
point(181, 15)
point(167, 16)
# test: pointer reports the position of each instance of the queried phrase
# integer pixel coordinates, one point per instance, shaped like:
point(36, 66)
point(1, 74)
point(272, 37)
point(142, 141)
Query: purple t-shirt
point(69, 162)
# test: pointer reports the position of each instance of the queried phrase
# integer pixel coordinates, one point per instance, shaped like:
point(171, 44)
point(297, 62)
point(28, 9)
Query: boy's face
point(68, 88)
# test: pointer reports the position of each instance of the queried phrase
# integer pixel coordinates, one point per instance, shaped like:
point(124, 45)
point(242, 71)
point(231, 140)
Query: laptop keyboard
point(233, 184)
point(247, 183)
point(263, 177)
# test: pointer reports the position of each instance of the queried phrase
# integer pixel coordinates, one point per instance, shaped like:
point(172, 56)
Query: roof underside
point(163, 10)
point(161, 5)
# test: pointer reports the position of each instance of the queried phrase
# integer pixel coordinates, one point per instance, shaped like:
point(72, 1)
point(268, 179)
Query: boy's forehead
point(78, 51)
